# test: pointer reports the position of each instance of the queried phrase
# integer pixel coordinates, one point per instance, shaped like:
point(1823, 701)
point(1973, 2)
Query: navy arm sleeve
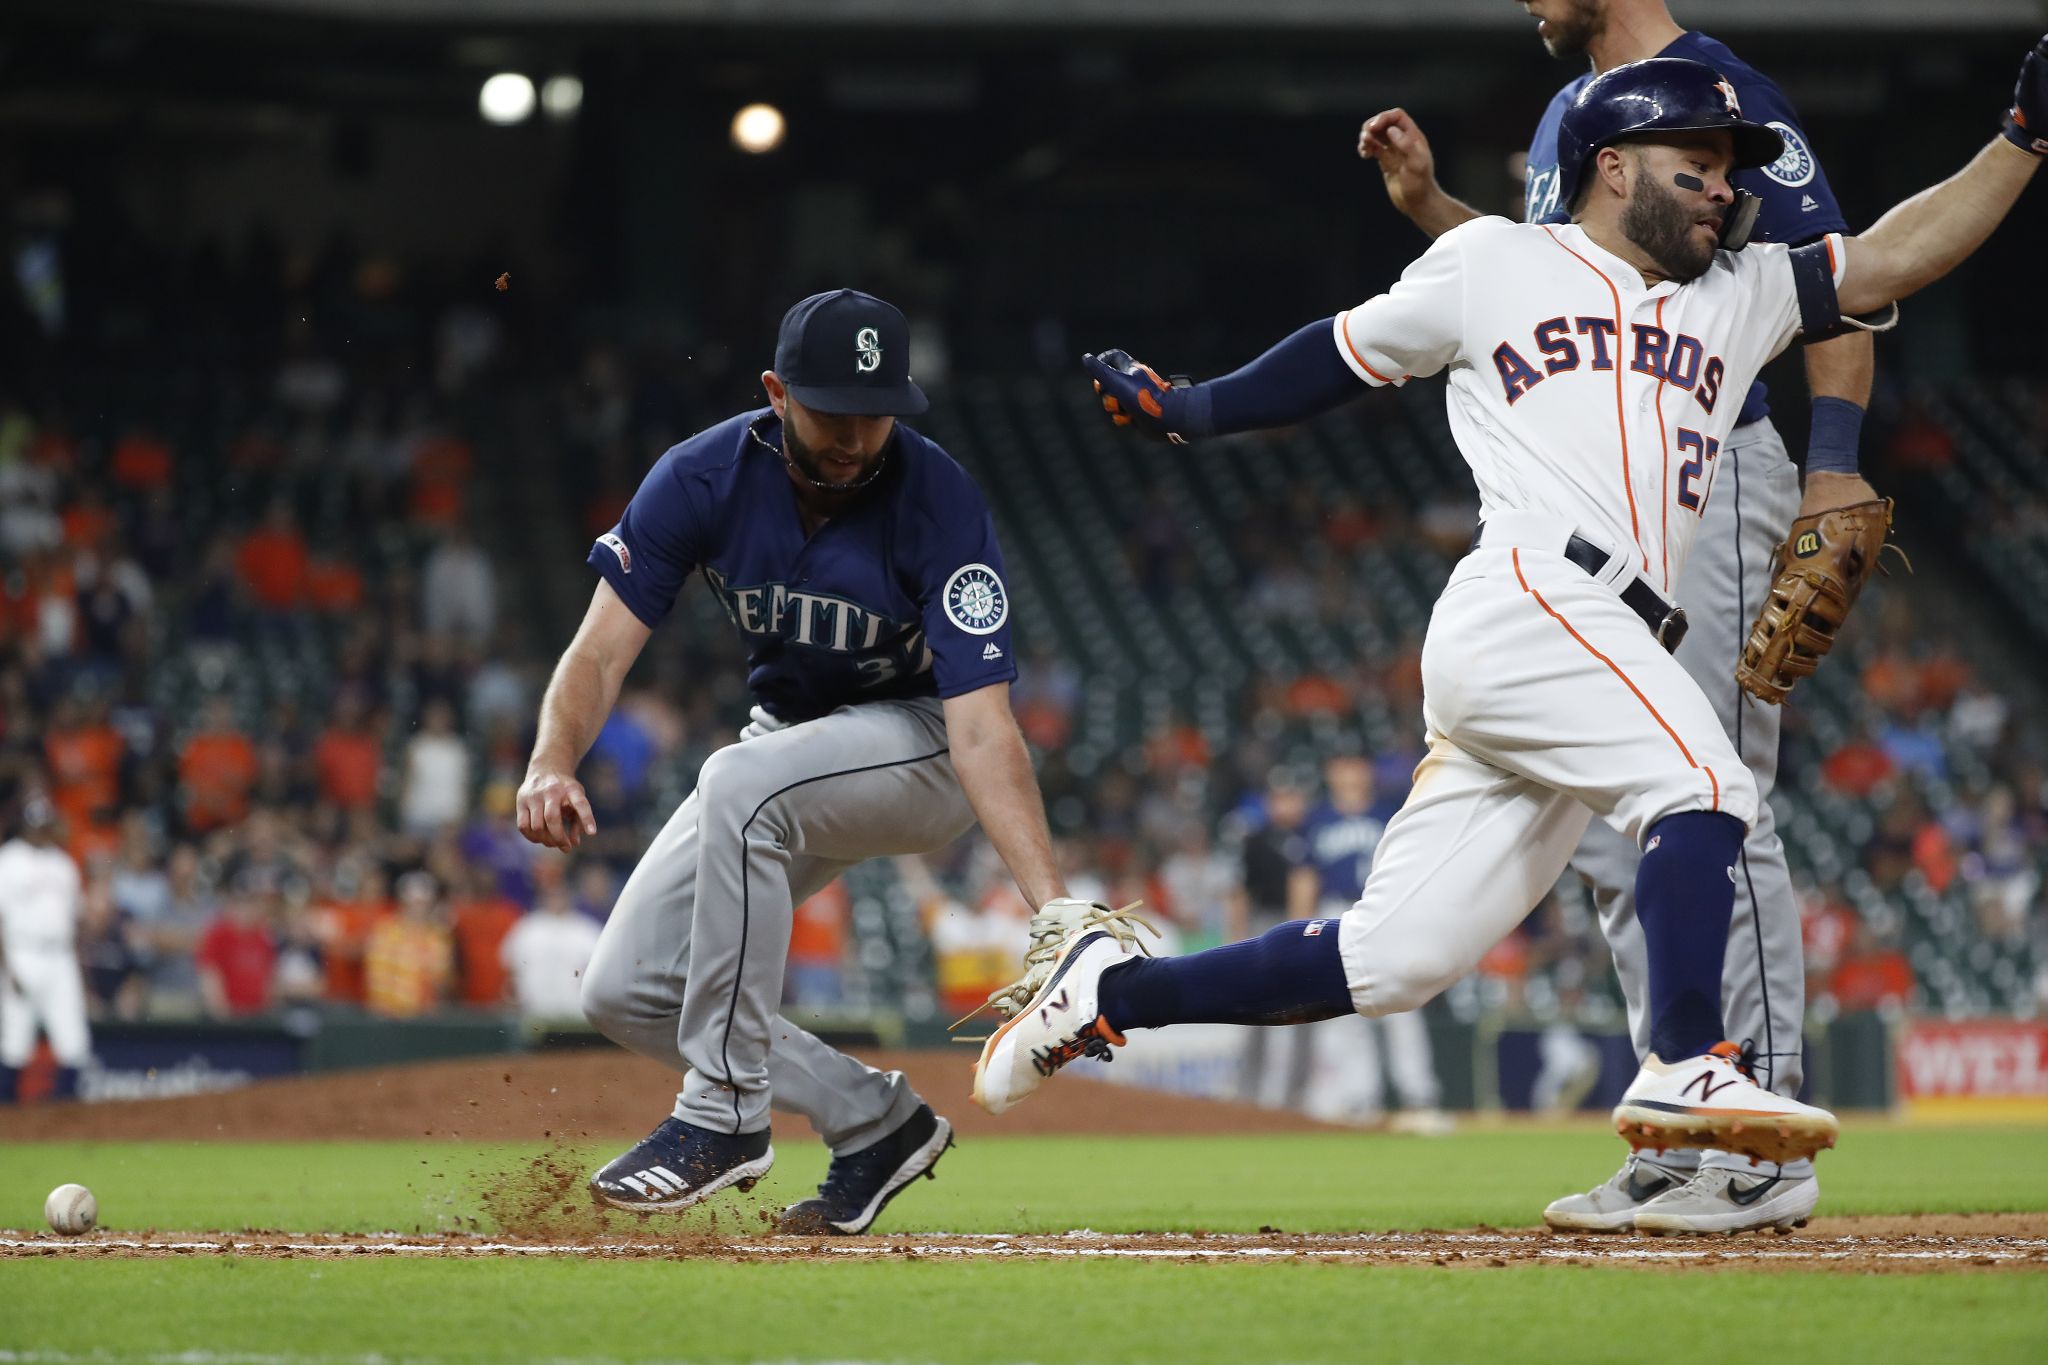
point(1295, 380)
point(649, 554)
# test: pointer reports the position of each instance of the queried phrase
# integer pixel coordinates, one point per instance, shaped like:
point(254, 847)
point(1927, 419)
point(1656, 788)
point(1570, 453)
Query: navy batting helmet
point(1660, 94)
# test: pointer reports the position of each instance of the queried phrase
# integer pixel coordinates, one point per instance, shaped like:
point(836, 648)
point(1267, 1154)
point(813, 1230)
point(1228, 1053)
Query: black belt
point(1666, 622)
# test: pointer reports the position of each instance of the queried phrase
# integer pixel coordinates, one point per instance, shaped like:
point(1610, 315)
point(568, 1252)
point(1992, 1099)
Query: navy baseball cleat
point(679, 1164)
point(860, 1184)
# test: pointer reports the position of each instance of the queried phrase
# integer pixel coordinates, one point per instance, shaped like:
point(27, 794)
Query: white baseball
point(71, 1210)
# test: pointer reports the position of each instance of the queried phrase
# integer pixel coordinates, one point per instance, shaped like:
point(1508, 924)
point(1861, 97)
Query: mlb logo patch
point(1313, 928)
point(618, 549)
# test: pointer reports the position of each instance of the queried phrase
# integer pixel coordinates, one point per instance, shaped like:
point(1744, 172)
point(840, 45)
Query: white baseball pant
point(1547, 701)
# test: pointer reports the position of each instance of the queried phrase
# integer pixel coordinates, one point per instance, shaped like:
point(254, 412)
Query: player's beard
point(1655, 221)
point(811, 467)
point(1568, 34)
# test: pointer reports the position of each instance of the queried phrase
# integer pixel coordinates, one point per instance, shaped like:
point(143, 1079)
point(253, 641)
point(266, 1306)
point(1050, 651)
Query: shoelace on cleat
point(1120, 924)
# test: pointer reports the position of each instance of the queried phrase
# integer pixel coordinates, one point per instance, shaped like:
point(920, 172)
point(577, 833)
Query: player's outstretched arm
point(1292, 382)
point(995, 773)
point(1408, 166)
point(1932, 233)
point(553, 809)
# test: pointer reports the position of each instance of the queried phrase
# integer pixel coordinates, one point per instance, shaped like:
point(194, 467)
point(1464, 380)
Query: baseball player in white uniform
point(1595, 369)
point(1726, 578)
point(40, 983)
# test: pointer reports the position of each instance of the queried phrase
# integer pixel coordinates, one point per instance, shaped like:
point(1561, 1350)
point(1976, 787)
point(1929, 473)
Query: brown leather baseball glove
point(1816, 577)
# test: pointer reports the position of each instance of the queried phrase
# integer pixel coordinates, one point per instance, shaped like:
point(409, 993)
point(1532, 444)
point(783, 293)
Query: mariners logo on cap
point(1728, 97)
point(867, 347)
point(975, 600)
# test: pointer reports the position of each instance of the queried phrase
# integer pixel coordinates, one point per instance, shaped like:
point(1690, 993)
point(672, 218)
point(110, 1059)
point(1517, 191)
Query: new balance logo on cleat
point(991, 650)
point(1705, 1081)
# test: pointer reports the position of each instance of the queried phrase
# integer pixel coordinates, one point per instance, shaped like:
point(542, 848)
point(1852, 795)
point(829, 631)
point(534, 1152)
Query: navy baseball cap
point(848, 352)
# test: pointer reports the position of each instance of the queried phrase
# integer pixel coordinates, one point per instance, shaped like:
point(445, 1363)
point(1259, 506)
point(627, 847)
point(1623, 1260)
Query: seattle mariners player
point(860, 566)
point(1726, 578)
point(1338, 840)
point(1595, 372)
point(40, 983)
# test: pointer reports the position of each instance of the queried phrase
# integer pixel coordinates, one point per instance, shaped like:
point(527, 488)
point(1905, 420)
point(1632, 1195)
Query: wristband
point(1831, 446)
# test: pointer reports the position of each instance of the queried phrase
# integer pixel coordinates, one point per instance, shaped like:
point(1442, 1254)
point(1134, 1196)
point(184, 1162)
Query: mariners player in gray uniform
point(1756, 496)
point(860, 566)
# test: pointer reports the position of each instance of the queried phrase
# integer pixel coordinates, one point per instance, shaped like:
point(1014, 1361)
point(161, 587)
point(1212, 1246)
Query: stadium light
point(561, 96)
point(505, 99)
point(758, 128)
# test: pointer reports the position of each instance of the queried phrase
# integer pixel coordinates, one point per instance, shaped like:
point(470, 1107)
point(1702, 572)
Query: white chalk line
point(196, 1357)
point(1094, 1246)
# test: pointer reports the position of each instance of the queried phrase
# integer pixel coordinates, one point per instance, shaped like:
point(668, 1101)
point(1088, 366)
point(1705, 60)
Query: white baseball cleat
point(1707, 1102)
point(1611, 1206)
point(1060, 1023)
point(1055, 923)
point(1721, 1200)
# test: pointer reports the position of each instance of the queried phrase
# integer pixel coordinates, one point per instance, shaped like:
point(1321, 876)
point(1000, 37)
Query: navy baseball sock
point(1291, 974)
point(10, 1078)
point(65, 1084)
point(1685, 896)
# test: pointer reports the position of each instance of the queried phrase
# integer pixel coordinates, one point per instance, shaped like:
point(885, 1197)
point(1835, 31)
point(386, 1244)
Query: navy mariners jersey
point(899, 595)
point(1797, 206)
point(1339, 847)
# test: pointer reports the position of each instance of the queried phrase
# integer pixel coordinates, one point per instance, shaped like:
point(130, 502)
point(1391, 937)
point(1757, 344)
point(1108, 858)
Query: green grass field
point(211, 1310)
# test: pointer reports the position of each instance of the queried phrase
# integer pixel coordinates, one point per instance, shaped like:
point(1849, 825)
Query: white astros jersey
point(1573, 390)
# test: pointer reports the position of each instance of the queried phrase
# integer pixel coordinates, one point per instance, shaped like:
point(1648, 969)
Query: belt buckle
point(1671, 630)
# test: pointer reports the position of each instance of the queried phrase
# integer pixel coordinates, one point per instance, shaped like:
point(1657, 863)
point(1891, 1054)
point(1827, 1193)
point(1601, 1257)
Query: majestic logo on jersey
point(975, 600)
point(618, 548)
point(1795, 165)
point(867, 350)
point(1728, 97)
point(1675, 359)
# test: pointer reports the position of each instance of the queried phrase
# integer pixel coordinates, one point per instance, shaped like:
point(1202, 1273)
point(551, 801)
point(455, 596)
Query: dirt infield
point(1981, 1242)
point(561, 1095)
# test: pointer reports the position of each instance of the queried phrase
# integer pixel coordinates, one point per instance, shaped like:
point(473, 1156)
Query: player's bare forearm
point(586, 682)
point(995, 773)
point(1439, 213)
point(1842, 367)
point(552, 807)
point(579, 697)
point(1408, 167)
point(1932, 233)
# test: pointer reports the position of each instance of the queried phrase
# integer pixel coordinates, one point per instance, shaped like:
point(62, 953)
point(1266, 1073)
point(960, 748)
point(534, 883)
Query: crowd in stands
point(262, 648)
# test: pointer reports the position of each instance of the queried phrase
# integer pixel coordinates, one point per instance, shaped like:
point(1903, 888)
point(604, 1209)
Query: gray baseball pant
point(689, 968)
point(1753, 499)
